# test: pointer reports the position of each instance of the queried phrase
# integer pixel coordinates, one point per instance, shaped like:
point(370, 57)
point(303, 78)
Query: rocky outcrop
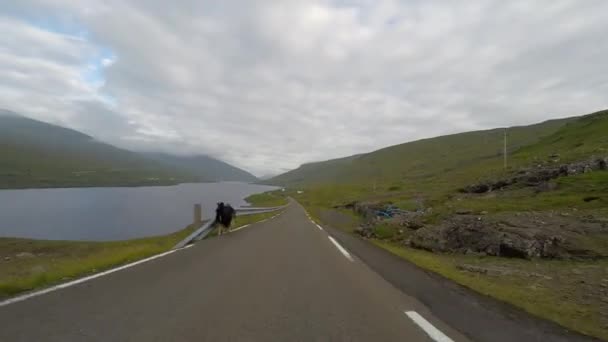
point(366, 230)
point(412, 220)
point(517, 239)
point(539, 175)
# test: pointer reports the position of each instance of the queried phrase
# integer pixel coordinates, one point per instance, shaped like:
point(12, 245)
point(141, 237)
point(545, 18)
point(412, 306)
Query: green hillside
point(577, 139)
point(204, 166)
point(418, 160)
point(450, 230)
point(437, 167)
point(35, 154)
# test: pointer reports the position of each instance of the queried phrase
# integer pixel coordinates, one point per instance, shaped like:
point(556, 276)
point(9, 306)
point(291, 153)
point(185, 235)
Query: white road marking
point(341, 249)
point(82, 280)
point(320, 228)
point(428, 328)
point(97, 275)
point(239, 228)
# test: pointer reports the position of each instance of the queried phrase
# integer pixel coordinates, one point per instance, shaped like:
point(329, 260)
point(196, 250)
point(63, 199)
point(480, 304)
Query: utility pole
point(505, 150)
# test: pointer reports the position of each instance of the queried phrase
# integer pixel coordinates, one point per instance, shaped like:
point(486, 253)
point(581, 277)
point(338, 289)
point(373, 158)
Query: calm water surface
point(112, 213)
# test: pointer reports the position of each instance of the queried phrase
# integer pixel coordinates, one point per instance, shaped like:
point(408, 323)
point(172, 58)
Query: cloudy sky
point(268, 85)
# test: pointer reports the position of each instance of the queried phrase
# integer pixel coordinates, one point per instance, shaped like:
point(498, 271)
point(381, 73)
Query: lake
point(103, 214)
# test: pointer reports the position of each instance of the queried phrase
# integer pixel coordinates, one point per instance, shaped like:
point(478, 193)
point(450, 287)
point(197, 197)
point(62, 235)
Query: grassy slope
point(28, 264)
point(267, 199)
point(204, 166)
point(557, 290)
point(577, 139)
point(416, 161)
point(37, 154)
point(430, 172)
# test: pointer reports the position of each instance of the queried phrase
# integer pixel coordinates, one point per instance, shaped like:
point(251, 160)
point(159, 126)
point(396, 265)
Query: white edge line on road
point(320, 228)
point(249, 224)
point(428, 328)
point(341, 249)
point(239, 228)
point(82, 280)
point(97, 275)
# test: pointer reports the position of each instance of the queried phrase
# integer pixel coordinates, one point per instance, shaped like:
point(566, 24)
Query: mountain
point(421, 159)
point(204, 166)
point(37, 154)
point(267, 176)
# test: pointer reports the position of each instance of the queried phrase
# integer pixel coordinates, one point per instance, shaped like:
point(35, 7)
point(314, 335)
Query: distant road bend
point(285, 279)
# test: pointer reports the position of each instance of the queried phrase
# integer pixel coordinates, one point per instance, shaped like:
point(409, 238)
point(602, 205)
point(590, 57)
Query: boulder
point(365, 230)
point(367, 210)
point(474, 235)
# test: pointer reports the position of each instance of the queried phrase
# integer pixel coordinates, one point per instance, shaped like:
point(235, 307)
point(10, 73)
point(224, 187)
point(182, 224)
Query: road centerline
point(428, 328)
point(341, 249)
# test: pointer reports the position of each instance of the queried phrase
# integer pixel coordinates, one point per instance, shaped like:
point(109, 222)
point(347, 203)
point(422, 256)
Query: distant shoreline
point(142, 185)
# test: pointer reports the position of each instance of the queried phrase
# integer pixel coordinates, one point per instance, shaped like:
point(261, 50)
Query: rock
point(366, 231)
point(540, 175)
point(464, 212)
point(477, 188)
point(546, 186)
point(466, 234)
point(499, 271)
point(577, 272)
point(7, 258)
point(25, 255)
point(591, 198)
point(414, 224)
point(367, 209)
point(471, 268)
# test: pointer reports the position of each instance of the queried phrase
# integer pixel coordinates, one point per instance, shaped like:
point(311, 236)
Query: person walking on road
point(223, 216)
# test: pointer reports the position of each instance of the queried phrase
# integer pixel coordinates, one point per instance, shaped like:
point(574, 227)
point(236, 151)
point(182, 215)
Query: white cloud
point(106, 62)
point(268, 85)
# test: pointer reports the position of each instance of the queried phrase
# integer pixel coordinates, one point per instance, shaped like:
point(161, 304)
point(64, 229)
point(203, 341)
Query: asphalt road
point(280, 280)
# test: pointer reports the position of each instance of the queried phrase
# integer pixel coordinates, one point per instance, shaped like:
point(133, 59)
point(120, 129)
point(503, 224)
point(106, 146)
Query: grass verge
point(267, 199)
point(27, 264)
point(565, 292)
